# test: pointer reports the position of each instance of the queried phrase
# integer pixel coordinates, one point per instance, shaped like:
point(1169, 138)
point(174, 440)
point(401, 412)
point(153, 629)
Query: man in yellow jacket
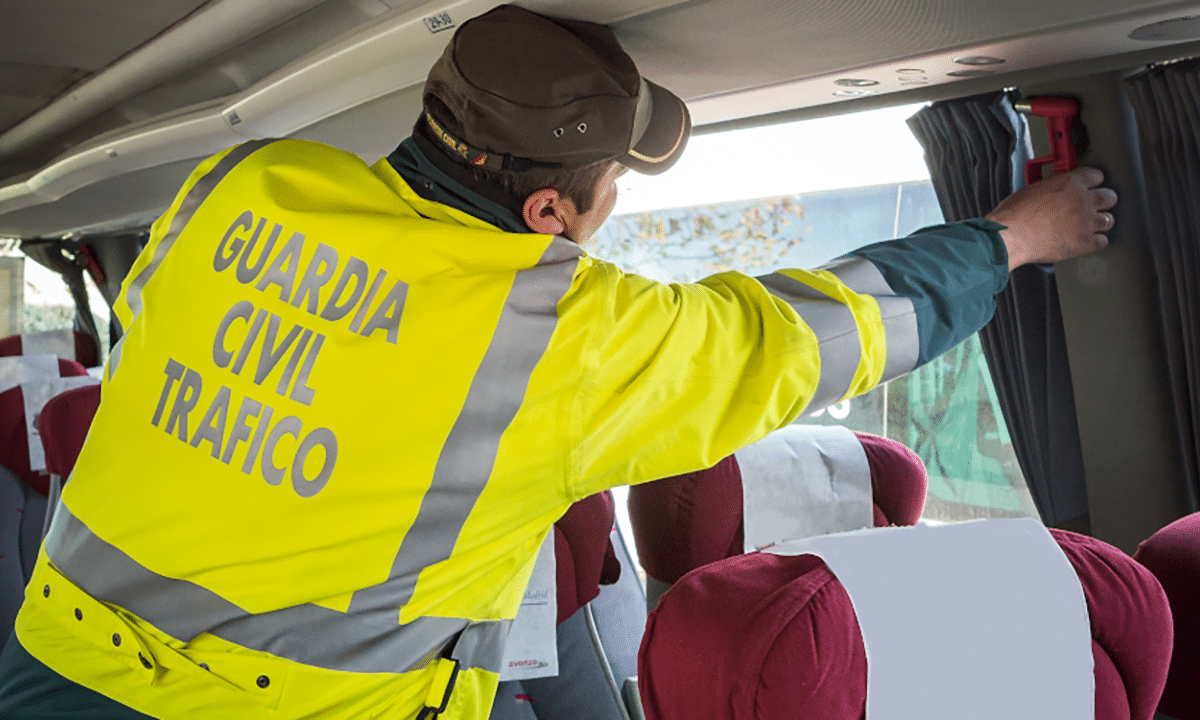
point(351, 401)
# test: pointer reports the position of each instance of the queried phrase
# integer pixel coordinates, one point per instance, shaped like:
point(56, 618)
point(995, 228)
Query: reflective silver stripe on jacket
point(481, 645)
point(837, 333)
point(899, 316)
point(307, 633)
point(369, 637)
point(191, 202)
point(521, 337)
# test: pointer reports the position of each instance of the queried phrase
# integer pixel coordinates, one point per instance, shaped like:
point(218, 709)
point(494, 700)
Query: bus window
point(797, 195)
point(46, 302)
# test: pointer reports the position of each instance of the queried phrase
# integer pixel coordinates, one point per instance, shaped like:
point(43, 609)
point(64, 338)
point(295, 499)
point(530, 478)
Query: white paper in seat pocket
point(532, 648)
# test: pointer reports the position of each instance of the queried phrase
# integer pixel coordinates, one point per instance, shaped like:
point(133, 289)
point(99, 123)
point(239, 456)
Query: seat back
point(597, 647)
point(67, 344)
point(685, 522)
point(63, 425)
point(1173, 555)
point(16, 418)
point(24, 483)
point(21, 512)
point(584, 554)
point(766, 637)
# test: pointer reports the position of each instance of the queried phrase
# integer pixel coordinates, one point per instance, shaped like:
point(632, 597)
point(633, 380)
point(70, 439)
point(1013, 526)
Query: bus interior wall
point(1131, 455)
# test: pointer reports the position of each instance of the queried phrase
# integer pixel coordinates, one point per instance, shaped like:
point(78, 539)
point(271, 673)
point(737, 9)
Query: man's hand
point(1057, 218)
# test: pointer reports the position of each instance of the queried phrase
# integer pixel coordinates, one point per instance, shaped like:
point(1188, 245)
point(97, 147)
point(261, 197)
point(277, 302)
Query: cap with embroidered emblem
point(515, 90)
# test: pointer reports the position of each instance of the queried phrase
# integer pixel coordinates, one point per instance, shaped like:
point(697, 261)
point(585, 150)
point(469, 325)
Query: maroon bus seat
point(63, 425)
point(583, 553)
point(1173, 555)
point(22, 493)
point(22, 514)
point(767, 637)
point(82, 347)
point(14, 439)
point(687, 521)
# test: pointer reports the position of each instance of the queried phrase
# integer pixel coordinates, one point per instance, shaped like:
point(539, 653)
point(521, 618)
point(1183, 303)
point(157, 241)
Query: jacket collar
point(419, 167)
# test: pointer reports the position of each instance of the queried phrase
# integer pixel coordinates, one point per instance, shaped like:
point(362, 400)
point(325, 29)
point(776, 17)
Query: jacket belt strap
point(438, 699)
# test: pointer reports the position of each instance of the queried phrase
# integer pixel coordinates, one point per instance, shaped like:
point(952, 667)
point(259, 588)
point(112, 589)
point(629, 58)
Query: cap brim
point(666, 134)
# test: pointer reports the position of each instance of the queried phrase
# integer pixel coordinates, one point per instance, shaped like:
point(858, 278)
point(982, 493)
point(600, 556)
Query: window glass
point(12, 287)
point(45, 302)
point(48, 303)
point(101, 314)
point(798, 195)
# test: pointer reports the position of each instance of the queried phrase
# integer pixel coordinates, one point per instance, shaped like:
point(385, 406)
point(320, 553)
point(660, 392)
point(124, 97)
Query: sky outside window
point(845, 151)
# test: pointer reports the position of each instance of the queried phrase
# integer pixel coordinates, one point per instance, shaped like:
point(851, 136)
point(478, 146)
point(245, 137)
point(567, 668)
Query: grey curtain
point(976, 149)
point(1166, 102)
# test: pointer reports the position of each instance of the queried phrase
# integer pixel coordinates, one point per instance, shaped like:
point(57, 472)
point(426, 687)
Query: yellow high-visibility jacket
point(343, 417)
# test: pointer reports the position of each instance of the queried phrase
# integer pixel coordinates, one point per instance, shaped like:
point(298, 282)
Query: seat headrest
point(899, 480)
point(690, 520)
point(767, 637)
point(684, 522)
point(67, 344)
point(584, 555)
point(1173, 555)
point(754, 637)
point(14, 439)
point(63, 425)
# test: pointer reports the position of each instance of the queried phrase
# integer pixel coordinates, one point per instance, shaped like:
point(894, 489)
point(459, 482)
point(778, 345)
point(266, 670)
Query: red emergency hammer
point(1060, 113)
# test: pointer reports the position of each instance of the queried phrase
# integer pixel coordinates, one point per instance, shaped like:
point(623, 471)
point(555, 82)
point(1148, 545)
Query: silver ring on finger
point(1106, 221)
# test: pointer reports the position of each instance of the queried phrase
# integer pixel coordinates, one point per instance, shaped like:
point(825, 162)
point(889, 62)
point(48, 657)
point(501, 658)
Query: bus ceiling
point(98, 141)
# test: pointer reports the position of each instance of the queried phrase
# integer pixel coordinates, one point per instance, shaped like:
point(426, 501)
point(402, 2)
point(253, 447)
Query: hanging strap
point(438, 699)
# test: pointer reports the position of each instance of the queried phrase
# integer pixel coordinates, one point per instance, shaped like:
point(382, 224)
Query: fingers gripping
point(1058, 218)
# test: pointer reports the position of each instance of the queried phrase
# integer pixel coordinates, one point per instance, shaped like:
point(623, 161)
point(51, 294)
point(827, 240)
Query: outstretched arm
point(952, 272)
point(675, 377)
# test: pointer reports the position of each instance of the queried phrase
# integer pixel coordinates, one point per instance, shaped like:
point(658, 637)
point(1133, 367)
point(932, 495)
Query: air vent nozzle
point(1180, 28)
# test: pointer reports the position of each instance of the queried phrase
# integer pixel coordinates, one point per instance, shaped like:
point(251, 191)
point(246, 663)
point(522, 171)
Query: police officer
point(351, 401)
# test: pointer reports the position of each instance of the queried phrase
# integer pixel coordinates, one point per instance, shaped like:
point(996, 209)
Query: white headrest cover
point(802, 481)
point(532, 647)
point(60, 343)
point(24, 368)
point(984, 620)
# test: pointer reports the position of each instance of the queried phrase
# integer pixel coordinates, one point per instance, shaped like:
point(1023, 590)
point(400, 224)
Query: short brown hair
point(576, 184)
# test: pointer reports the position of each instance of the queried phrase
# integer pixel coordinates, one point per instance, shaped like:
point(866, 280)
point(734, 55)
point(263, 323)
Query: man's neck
point(435, 177)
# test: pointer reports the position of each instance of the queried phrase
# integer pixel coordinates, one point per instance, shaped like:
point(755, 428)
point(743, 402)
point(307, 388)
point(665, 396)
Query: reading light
point(978, 60)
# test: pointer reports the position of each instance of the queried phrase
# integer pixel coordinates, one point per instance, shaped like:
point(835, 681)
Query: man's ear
point(546, 211)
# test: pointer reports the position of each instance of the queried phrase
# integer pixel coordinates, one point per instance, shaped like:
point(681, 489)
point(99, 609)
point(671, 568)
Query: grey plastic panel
point(620, 615)
point(583, 688)
point(12, 575)
point(654, 591)
point(512, 703)
point(131, 200)
point(633, 699)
